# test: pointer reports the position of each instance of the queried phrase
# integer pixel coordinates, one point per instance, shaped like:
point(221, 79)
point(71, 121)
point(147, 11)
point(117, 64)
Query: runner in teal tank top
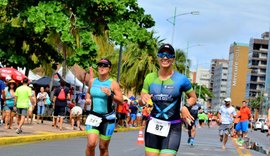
point(165, 88)
point(100, 123)
point(9, 104)
point(102, 104)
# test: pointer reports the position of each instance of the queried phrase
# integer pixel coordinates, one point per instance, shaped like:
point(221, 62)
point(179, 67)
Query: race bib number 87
point(158, 127)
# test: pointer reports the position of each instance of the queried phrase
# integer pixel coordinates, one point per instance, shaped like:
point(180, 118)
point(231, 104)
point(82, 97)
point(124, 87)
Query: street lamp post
point(172, 19)
point(188, 46)
point(119, 62)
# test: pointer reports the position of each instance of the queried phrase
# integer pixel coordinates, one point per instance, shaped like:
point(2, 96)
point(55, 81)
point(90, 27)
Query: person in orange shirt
point(242, 126)
point(236, 121)
point(120, 115)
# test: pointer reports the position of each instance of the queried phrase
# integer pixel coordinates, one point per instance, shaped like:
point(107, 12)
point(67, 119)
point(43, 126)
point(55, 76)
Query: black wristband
point(188, 106)
point(112, 95)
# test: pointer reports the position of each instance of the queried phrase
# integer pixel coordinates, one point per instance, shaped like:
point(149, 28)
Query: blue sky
point(219, 24)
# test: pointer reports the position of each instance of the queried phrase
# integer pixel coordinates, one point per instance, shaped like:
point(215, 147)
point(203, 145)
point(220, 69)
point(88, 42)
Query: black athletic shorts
point(59, 111)
point(145, 117)
point(121, 116)
point(158, 143)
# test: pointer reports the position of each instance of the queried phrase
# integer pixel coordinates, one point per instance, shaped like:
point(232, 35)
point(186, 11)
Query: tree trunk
point(256, 114)
point(64, 65)
point(26, 73)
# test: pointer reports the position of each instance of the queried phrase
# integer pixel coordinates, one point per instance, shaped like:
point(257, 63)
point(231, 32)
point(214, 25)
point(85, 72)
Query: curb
point(50, 136)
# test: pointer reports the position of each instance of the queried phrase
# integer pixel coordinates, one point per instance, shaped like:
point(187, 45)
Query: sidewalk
point(40, 132)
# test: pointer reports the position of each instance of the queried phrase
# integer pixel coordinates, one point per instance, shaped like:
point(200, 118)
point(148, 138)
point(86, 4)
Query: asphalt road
point(125, 144)
point(260, 138)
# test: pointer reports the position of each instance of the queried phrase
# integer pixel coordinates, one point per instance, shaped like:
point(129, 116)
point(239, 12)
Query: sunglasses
point(165, 54)
point(103, 65)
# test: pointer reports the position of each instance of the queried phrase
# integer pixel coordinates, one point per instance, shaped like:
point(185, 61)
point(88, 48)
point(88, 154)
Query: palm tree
point(202, 91)
point(180, 60)
point(255, 105)
point(138, 61)
point(137, 64)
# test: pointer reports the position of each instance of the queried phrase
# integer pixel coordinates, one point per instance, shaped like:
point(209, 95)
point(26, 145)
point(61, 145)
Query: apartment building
point(257, 63)
point(220, 83)
point(237, 72)
point(203, 77)
point(267, 81)
point(214, 63)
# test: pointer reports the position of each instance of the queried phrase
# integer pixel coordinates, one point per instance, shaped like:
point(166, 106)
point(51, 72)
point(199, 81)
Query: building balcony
point(257, 73)
point(257, 82)
point(261, 51)
point(252, 90)
point(258, 58)
point(257, 66)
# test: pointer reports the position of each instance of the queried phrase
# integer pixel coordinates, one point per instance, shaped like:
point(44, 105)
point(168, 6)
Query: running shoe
point(221, 138)
point(191, 141)
point(18, 131)
point(188, 141)
point(240, 142)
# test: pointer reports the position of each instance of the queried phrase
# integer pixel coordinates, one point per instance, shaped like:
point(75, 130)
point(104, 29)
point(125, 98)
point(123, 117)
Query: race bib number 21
point(158, 127)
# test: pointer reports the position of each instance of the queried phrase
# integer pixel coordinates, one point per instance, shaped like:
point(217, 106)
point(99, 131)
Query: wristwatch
point(112, 95)
point(188, 106)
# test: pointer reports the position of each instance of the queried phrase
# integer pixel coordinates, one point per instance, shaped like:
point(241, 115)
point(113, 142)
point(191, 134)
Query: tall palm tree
point(180, 60)
point(138, 61)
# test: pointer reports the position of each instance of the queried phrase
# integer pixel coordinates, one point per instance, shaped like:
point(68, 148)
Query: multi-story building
point(257, 63)
point(266, 103)
point(214, 63)
point(238, 69)
point(220, 83)
point(203, 77)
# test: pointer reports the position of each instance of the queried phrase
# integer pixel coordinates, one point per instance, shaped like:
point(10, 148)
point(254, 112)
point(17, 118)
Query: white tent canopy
point(71, 78)
point(32, 76)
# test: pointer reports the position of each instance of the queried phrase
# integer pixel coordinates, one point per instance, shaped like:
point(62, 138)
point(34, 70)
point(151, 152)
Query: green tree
point(202, 91)
point(180, 61)
point(75, 23)
point(138, 61)
point(256, 103)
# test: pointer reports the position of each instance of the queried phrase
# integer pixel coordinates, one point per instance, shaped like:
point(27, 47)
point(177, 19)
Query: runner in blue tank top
point(100, 123)
point(165, 88)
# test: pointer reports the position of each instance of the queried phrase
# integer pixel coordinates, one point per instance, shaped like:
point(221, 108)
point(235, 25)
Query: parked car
point(264, 127)
point(259, 123)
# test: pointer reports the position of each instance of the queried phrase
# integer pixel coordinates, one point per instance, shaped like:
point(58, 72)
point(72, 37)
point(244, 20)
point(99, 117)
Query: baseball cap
point(228, 100)
point(166, 48)
point(104, 61)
